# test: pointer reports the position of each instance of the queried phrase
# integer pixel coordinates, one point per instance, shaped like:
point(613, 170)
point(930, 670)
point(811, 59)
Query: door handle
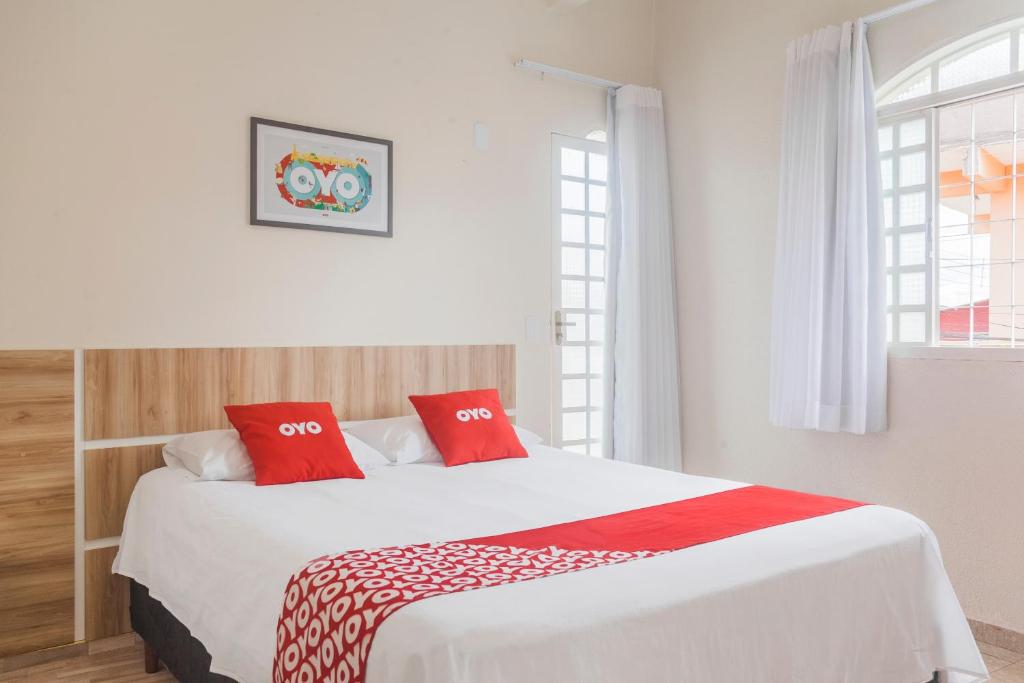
point(560, 325)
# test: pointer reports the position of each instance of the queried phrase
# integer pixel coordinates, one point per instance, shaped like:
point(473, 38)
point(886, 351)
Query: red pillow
point(468, 426)
point(291, 442)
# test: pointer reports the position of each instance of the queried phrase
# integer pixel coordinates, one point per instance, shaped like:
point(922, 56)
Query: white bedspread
point(854, 597)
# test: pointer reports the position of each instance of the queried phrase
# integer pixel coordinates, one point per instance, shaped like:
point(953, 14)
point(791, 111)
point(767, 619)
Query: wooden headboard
point(130, 402)
point(145, 392)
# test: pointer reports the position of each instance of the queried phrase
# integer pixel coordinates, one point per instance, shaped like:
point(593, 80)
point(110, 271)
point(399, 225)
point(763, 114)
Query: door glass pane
point(596, 262)
point(574, 393)
point(597, 295)
point(595, 424)
point(574, 293)
point(598, 166)
point(572, 162)
point(573, 262)
point(572, 195)
point(572, 228)
point(596, 392)
point(574, 426)
point(574, 360)
point(598, 193)
point(574, 329)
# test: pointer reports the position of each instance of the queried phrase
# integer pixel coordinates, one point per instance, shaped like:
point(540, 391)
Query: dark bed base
point(168, 641)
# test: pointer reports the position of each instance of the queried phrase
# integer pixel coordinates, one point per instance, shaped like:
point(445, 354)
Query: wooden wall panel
point(106, 596)
point(37, 507)
point(110, 476)
point(145, 392)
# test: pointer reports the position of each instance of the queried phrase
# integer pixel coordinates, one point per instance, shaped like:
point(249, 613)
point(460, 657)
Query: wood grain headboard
point(144, 392)
point(126, 404)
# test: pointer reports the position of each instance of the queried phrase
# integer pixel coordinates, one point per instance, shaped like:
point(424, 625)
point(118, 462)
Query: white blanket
point(859, 596)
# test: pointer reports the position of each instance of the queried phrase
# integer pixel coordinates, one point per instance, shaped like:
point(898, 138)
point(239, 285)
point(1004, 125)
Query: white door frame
point(581, 319)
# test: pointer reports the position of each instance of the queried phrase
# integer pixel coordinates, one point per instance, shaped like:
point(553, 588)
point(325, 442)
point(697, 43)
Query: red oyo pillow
point(290, 442)
point(468, 426)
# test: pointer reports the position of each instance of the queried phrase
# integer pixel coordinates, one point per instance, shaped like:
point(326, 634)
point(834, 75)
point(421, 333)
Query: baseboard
point(50, 654)
point(69, 651)
point(997, 635)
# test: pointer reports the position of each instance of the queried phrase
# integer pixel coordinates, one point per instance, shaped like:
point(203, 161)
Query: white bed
point(857, 596)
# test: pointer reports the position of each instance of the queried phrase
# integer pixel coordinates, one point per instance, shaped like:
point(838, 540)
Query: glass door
point(579, 191)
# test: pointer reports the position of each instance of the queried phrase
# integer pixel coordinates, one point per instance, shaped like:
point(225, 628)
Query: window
point(906, 203)
point(952, 181)
point(975, 59)
point(580, 177)
point(979, 247)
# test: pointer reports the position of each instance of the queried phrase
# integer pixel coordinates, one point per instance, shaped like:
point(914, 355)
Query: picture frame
point(317, 179)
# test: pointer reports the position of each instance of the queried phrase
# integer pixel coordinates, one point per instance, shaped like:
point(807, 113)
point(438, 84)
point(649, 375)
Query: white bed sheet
point(854, 597)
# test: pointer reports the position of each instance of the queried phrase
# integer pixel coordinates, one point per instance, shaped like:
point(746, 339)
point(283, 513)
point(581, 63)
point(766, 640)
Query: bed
point(857, 596)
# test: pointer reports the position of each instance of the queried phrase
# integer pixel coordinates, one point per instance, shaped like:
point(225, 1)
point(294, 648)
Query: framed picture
point(318, 179)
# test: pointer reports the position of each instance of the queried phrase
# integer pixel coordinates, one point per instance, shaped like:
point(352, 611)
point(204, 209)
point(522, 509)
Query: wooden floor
point(124, 664)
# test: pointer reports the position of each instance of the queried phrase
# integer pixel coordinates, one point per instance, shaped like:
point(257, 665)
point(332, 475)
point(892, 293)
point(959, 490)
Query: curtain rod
point(565, 73)
point(895, 10)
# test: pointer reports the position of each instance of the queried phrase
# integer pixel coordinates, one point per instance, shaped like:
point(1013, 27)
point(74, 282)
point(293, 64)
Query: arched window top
point(981, 56)
point(598, 135)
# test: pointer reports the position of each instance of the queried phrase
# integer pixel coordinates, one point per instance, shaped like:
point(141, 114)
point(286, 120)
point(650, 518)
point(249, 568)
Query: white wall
point(124, 201)
point(954, 454)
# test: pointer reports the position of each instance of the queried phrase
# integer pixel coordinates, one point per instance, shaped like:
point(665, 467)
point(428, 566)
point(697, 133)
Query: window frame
point(928, 106)
point(894, 272)
point(931, 63)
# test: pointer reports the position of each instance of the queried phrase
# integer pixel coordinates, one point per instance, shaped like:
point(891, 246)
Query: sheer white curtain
point(641, 361)
point(828, 348)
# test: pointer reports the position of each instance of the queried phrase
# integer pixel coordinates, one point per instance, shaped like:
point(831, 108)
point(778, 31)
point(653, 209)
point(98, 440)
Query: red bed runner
point(334, 605)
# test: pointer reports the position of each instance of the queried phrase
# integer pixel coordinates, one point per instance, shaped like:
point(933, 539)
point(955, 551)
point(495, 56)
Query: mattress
point(854, 596)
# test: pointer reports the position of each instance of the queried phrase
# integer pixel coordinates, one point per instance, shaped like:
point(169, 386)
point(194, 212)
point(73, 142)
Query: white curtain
point(828, 347)
point(641, 361)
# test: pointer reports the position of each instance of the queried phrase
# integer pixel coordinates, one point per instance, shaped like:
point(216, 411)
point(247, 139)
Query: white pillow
point(526, 437)
point(404, 440)
point(220, 455)
point(366, 456)
point(216, 455)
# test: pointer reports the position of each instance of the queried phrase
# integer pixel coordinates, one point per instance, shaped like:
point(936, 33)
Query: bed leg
point(152, 659)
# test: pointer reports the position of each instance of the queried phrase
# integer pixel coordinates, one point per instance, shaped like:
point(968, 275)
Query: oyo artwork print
point(318, 179)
